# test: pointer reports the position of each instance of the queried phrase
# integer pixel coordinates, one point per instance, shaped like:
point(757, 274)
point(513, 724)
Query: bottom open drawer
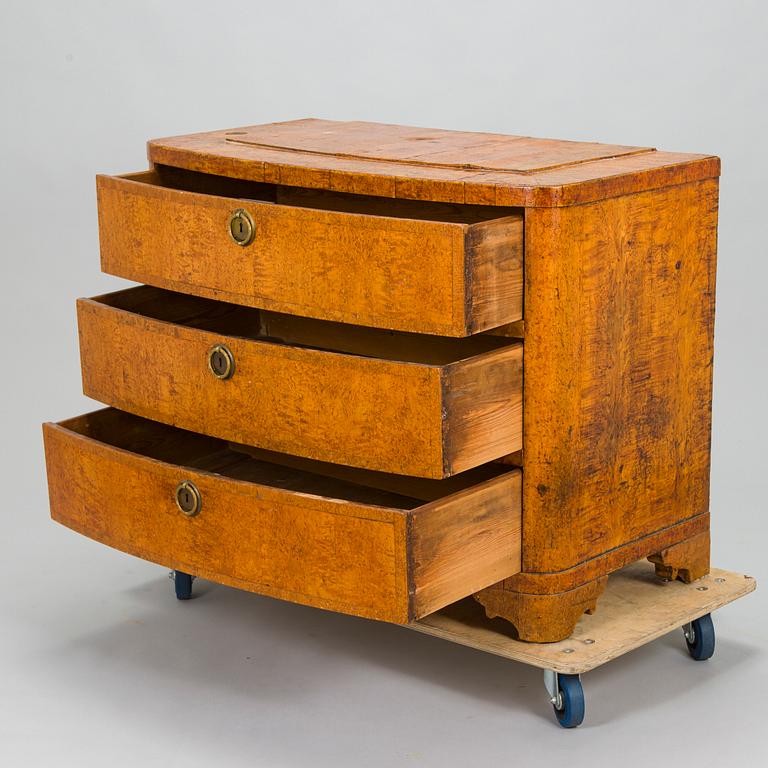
point(360, 542)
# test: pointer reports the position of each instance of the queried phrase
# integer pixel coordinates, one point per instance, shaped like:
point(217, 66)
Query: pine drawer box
point(327, 391)
point(378, 369)
point(411, 266)
point(385, 548)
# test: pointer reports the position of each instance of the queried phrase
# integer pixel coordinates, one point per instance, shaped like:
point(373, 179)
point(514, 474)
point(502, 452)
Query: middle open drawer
point(395, 402)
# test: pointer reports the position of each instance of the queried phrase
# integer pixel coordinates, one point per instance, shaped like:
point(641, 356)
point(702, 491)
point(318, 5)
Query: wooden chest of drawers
point(378, 369)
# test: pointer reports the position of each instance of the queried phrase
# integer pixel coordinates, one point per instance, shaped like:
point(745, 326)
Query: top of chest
point(428, 164)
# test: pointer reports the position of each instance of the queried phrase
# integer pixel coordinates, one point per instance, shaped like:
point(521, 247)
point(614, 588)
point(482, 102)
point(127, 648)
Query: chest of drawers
point(378, 369)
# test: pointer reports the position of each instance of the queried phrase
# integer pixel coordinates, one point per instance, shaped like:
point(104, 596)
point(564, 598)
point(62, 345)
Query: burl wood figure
point(379, 369)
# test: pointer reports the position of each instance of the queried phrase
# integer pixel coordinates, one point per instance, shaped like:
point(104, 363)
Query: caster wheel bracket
point(552, 684)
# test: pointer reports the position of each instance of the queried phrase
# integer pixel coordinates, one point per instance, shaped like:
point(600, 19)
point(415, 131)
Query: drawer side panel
point(465, 542)
point(495, 273)
point(484, 408)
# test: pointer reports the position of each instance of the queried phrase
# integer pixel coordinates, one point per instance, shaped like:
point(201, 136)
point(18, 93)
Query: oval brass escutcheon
point(188, 498)
point(241, 227)
point(221, 361)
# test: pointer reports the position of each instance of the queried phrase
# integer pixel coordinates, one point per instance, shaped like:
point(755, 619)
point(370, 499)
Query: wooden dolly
point(636, 608)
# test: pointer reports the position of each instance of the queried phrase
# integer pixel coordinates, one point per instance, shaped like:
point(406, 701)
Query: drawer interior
point(223, 186)
point(273, 327)
point(188, 449)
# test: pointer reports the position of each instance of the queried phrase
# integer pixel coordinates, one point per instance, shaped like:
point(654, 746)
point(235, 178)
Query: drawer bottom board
point(635, 609)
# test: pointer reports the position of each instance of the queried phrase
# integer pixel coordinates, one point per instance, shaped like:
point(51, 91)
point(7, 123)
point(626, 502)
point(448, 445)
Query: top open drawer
point(437, 268)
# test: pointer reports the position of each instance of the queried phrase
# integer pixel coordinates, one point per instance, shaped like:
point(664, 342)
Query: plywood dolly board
point(636, 608)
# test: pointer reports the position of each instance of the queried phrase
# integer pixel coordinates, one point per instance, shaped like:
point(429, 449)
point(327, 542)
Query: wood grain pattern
point(427, 164)
point(483, 407)
point(275, 529)
point(618, 380)
point(618, 383)
point(419, 488)
point(635, 609)
point(445, 558)
point(542, 618)
point(382, 271)
point(146, 351)
point(687, 561)
point(559, 582)
point(424, 148)
point(492, 270)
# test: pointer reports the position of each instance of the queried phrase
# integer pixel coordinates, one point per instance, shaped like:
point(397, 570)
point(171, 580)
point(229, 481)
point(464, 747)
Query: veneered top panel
point(430, 164)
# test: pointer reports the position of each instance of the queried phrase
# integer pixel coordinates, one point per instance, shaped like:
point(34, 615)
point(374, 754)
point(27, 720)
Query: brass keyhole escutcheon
point(241, 227)
point(188, 498)
point(221, 361)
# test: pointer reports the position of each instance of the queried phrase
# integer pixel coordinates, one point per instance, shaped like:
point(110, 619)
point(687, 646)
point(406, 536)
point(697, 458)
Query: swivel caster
point(700, 638)
point(567, 697)
point(182, 582)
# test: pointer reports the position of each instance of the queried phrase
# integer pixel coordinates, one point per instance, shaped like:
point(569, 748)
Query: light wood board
point(636, 608)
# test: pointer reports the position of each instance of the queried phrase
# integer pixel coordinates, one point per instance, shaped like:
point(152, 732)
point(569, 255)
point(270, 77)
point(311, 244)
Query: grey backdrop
point(98, 663)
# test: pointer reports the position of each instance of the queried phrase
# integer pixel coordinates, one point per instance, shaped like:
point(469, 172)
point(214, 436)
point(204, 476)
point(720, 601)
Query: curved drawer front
point(400, 403)
point(395, 549)
point(333, 261)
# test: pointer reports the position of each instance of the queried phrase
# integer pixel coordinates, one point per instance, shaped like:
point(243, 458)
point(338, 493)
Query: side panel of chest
point(619, 299)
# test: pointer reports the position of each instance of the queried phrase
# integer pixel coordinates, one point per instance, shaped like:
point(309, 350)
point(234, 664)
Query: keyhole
point(188, 498)
point(221, 361)
point(241, 227)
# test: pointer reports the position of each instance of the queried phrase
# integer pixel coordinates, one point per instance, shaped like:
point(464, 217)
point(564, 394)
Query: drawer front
point(370, 406)
point(277, 531)
point(438, 277)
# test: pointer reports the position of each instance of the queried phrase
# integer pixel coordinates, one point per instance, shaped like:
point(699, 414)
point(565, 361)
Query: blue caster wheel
point(700, 638)
point(183, 585)
point(570, 713)
point(567, 697)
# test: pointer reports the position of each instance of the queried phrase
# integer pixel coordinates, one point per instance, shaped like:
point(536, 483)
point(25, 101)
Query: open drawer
point(394, 402)
point(436, 268)
point(358, 542)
